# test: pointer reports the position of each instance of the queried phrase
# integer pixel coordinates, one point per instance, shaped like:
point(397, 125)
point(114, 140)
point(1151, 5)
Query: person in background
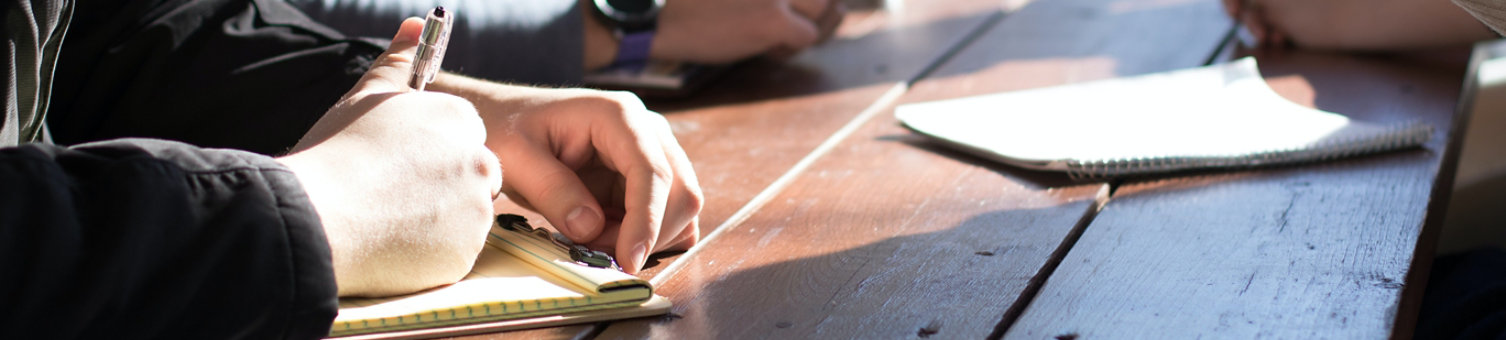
point(227, 168)
point(1359, 25)
point(1466, 292)
point(554, 42)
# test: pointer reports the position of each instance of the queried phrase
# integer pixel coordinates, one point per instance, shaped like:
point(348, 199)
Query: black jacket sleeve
point(150, 239)
point(243, 74)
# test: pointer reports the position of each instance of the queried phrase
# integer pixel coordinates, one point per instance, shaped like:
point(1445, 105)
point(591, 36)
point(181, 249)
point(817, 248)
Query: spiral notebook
point(518, 282)
point(1220, 116)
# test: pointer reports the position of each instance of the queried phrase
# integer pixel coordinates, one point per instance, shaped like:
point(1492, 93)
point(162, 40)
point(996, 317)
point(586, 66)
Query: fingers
point(812, 9)
point(603, 157)
point(662, 208)
point(687, 238)
point(684, 207)
point(1255, 19)
point(825, 15)
point(491, 167)
point(1255, 23)
point(799, 32)
point(828, 22)
point(649, 179)
point(554, 191)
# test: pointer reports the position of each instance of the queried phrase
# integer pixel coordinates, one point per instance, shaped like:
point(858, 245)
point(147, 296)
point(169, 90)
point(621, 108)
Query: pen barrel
point(425, 65)
point(431, 48)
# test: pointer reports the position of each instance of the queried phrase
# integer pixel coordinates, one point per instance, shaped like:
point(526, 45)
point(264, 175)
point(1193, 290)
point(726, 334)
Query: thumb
point(555, 191)
point(391, 70)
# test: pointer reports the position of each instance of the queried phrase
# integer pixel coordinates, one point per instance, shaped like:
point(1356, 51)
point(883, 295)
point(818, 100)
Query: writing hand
point(401, 180)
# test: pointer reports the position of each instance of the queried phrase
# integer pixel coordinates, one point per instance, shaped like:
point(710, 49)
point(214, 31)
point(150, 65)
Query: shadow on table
point(884, 56)
point(1152, 35)
point(956, 282)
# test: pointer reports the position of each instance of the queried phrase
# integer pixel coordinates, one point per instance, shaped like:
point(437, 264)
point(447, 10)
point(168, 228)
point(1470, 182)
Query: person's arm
point(526, 42)
point(402, 179)
point(1366, 25)
point(1492, 13)
point(142, 238)
point(158, 239)
point(248, 75)
point(552, 42)
point(722, 32)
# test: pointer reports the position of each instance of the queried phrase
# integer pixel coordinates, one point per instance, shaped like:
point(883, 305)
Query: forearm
point(208, 73)
point(487, 96)
point(1380, 24)
point(1490, 12)
point(495, 99)
point(599, 43)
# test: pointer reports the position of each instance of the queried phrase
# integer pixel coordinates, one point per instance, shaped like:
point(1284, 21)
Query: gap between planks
point(1223, 50)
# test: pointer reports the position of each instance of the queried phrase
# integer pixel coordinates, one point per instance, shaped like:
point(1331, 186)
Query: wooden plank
point(754, 123)
point(751, 126)
point(1315, 251)
point(887, 236)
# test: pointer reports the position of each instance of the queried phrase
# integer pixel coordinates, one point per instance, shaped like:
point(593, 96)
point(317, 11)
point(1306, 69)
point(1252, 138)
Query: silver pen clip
point(578, 253)
point(431, 46)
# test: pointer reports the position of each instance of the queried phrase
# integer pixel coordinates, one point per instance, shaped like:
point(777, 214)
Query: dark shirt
point(167, 237)
point(534, 42)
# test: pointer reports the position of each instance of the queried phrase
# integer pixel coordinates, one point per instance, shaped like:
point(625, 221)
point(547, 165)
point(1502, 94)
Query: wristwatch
point(634, 22)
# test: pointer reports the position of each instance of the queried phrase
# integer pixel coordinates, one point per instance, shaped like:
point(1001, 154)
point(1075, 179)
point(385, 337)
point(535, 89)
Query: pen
point(431, 46)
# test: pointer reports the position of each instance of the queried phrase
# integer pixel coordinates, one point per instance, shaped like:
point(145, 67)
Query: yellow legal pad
point(518, 282)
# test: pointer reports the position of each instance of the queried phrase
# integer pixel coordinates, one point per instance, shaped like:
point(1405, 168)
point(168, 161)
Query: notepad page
point(1211, 116)
point(495, 278)
point(512, 278)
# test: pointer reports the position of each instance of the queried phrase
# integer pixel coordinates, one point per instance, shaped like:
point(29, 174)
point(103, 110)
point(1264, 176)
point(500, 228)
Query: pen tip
point(439, 11)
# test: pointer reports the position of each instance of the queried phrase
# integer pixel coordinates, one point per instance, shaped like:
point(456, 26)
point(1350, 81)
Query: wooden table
point(825, 218)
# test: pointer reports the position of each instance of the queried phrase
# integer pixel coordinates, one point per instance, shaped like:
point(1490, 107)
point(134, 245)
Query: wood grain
point(1314, 251)
point(887, 236)
point(755, 122)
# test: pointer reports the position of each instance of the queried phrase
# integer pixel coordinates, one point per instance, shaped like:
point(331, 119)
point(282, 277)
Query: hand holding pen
point(402, 180)
point(599, 166)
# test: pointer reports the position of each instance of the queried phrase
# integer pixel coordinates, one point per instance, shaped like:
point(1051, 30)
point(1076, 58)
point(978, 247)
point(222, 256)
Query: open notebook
point(519, 281)
point(1220, 116)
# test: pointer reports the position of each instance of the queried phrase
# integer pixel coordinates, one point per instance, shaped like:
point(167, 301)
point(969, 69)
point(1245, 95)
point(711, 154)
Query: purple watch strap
point(633, 48)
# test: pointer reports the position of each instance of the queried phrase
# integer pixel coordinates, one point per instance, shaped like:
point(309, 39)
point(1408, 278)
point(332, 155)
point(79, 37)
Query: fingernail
point(578, 221)
point(640, 254)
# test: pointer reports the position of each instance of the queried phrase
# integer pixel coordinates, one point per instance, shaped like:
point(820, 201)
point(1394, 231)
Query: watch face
point(630, 12)
point(631, 6)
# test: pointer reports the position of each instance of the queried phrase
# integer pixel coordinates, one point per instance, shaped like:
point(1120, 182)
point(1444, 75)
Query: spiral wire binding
point(1400, 136)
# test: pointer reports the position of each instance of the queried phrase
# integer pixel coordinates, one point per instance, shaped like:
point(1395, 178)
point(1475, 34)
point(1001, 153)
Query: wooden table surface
point(825, 218)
